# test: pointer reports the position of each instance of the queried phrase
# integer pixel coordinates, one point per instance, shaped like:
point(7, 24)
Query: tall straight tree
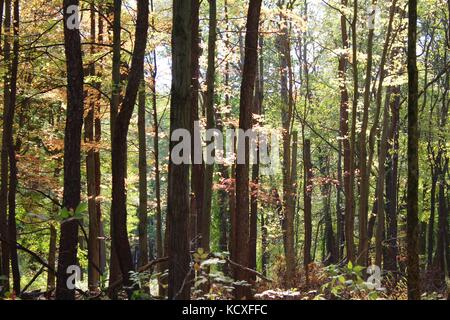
point(143, 218)
point(180, 117)
point(412, 218)
point(89, 124)
point(343, 129)
point(7, 124)
point(119, 145)
point(210, 123)
point(72, 144)
point(198, 169)
point(12, 230)
point(241, 225)
point(116, 9)
point(286, 86)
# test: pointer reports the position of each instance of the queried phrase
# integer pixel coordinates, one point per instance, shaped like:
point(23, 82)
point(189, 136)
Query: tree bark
point(89, 139)
point(307, 191)
point(12, 230)
point(198, 169)
point(143, 218)
point(413, 280)
point(180, 117)
point(119, 146)
point(241, 226)
point(116, 9)
point(7, 133)
point(210, 124)
point(72, 145)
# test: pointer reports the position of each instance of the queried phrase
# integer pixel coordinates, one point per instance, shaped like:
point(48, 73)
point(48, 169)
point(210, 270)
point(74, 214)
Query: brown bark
point(343, 128)
point(390, 262)
point(198, 169)
point(241, 226)
point(210, 124)
point(307, 191)
point(178, 185)
point(286, 83)
point(115, 9)
point(12, 230)
point(119, 146)
point(7, 133)
point(72, 145)
point(143, 217)
point(89, 139)
point(349, 197)
point(413, 280)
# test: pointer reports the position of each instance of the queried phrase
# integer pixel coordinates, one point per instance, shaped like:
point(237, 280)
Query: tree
point(413, 280)
point(178, 185)
point(72, 143)
point(241, 226)
point(119, 145)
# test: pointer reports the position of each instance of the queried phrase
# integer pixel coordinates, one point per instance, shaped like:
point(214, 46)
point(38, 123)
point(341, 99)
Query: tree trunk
point(254, 188)
point(178, 185)
point(119, 146)
point(12, 230)
point(344, 135)
point(413, 280)
point(143, 218)
point(72, 145)
point(364, 172)
point(390, 263)
point(242, 169)
point(210, 124)
point(89, 122)
point(307, 191)
point(7, 134)
point(286, 119)
point(198, 169)
point(116, 8)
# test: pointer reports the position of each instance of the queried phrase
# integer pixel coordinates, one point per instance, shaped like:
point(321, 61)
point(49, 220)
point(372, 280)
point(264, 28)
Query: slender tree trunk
point(51, 260)
point(12, 230)
point(330, 254)
point(382, 155)
point(364, 184)
point(89, 139)
point(72, 145)
point(198, 169)
point(286, 119)
point(241, 226)
point(343, 128)
point(143, 218)
point(119, 146)
point(257, 105)
point(307, 192)
point(349, 198)
point(390, 262)
point(210, 124)
point(97, 138)
point(116, 8)
point(413, 280)
point(7, 133)
point(180, 118)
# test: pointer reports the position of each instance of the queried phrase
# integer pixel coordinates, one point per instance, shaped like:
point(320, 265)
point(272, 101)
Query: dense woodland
point(92, 205)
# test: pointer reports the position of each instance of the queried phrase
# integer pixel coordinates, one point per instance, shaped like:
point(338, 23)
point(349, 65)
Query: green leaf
point(373, 295)
point(64, 213)
point(350, 265)
point(358, 268)
point(82, 208)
